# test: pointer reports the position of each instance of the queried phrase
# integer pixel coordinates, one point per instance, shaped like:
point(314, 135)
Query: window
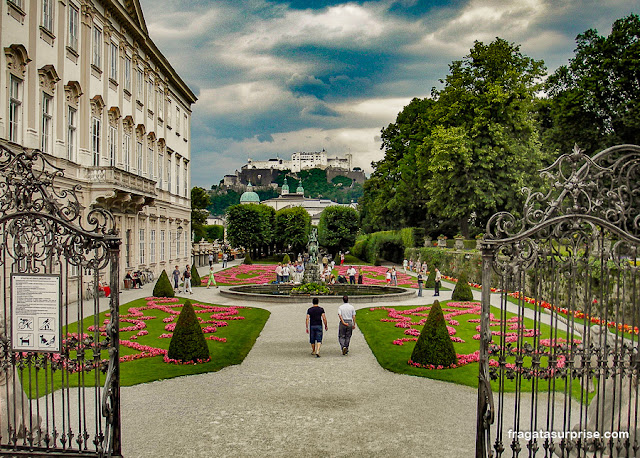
point(74, 18)
point(160, 103)
point(15, 109)
point(186, 243)
point(139, 85)
point(152, 246)
point(18, 3)
point(113, 70)
point(141, 241)
point(178, 234)
point(113, 145)
point(160, 163)
point(71, 133)
point(97, 47)
point(162, 241)
point(139, 151)
point(47, 14)
point(177, 177)
point(95, 140)
point(169, 174)
point(45, 143)
point(169, 109)
point(185, 127)
point(178, 120)
point(126, 150)
point(150, 163)
point(186, 180)
point(127, 73)
point(150, 94)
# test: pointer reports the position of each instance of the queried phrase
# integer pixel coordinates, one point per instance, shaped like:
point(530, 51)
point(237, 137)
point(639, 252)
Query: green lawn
point(380, 336)
point(240, 336)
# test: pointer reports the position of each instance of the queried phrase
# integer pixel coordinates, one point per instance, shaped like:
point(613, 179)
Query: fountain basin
point(281, 293)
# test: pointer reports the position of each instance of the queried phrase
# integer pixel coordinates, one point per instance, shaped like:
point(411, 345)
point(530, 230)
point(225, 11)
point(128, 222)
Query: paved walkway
point(281, 401)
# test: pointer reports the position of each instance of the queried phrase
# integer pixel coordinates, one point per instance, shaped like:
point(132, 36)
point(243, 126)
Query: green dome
point(285, 187)
point(300, 189)
point(249, 197)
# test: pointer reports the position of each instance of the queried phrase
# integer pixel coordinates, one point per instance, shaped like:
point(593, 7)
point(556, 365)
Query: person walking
point(347, 316)
point(419, 284)
point(225, 259)
point(186, 276)
point(405, 264)
point(394, 276)
point(176, 280)
point(341, 258)
point(315, 318)
point(438, 278)
point(210, 259)
point(388, 277)
point(212, 278)
point(360, 276)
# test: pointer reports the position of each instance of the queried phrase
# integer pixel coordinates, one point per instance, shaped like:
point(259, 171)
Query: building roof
point(249, 197)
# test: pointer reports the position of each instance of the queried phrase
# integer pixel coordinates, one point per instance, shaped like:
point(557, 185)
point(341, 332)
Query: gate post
point(485, 410)
point(114, 335)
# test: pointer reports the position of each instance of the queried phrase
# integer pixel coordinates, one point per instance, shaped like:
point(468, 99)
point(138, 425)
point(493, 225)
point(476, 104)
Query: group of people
point(135, 278)
point(352, 276)
point(290, 272)
point(185, 277)
point(316, 318)
point(418, 267)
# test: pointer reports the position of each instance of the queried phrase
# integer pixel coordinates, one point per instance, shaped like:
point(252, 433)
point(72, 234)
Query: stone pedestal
point(459, 244)
point(311, 273)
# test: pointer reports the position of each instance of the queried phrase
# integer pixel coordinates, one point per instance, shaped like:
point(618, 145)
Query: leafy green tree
point(214, 232)
point(250, 225)
point(338, 228)
point(199, 203)
point(593, 101)
point(292, 228)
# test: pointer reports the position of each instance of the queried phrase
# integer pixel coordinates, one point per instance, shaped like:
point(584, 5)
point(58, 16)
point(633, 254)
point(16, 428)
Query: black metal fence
point(559, 352)
point(59, 362)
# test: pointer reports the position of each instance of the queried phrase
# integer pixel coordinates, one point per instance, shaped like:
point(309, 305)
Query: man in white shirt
point(347, 316)
point(351, 273)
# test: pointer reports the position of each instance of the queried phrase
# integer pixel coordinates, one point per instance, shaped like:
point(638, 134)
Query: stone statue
point(312, 247)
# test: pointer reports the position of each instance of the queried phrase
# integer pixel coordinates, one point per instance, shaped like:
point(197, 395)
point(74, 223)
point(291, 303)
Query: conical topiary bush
point(431, 279)
point(163, 286)
point(247, 259)
point(462, 291)
point(434, 347)
point(188, 343)
point(286, 259)
point(195, 277)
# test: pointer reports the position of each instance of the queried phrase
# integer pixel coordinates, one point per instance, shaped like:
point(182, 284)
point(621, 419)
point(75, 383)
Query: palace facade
point(83, 82)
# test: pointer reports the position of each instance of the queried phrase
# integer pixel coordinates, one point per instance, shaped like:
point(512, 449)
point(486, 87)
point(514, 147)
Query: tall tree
point(199, 203)
point(593, 101)
point(292, 228)
point(250, 225)
point(338, 228)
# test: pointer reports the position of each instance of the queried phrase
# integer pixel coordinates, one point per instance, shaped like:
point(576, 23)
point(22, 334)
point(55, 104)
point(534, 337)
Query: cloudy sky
point(275, 77)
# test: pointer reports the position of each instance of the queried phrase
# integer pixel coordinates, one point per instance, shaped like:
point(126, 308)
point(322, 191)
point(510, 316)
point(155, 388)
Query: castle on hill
point(265, 173)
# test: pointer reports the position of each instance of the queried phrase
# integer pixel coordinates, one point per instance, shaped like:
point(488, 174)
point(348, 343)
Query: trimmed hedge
point(163, 286)
point(188, 342)
point(195, 277)
point(434, 345)
point(462, 291)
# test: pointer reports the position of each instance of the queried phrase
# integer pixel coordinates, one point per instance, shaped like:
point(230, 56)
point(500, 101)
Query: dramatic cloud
point(275, 77)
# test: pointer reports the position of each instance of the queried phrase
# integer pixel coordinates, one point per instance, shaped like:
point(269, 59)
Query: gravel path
point(281, 401)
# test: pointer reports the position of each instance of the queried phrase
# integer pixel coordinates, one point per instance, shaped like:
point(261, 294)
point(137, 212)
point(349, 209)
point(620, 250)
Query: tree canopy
point(250, 225)
point(199, 203)
point(593, 101)
point(292, 228)
point(338, 228)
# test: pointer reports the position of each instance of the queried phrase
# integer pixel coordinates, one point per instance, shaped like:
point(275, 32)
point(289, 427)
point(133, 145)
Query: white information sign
point(36, 312)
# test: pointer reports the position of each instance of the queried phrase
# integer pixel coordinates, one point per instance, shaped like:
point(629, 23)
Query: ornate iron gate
point(559, 356)
point(59, 381)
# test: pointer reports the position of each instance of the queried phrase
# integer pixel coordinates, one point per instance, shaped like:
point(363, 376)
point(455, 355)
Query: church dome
point(249, 197)
point(285, 187)
point(300, 189)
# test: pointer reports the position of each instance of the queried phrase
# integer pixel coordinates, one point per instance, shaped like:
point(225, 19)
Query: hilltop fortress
point(263, 173)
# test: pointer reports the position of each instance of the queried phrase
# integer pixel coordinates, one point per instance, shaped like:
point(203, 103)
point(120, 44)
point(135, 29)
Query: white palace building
point(303, 160)
point(83, 82)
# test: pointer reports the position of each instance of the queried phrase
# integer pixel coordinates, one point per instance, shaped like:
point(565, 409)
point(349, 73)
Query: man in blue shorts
point(315, 318)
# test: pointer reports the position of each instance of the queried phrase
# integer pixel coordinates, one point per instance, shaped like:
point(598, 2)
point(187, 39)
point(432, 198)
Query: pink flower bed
point(404, 319)
point(219, 318)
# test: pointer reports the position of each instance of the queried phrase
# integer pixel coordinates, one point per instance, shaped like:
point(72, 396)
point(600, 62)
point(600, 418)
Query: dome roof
point(300, 189)
point(249, 197)
point(285, 187)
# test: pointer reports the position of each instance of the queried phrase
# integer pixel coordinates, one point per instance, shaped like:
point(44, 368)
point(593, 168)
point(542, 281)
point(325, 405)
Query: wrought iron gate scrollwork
point(55, 403)
point(559, 371)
